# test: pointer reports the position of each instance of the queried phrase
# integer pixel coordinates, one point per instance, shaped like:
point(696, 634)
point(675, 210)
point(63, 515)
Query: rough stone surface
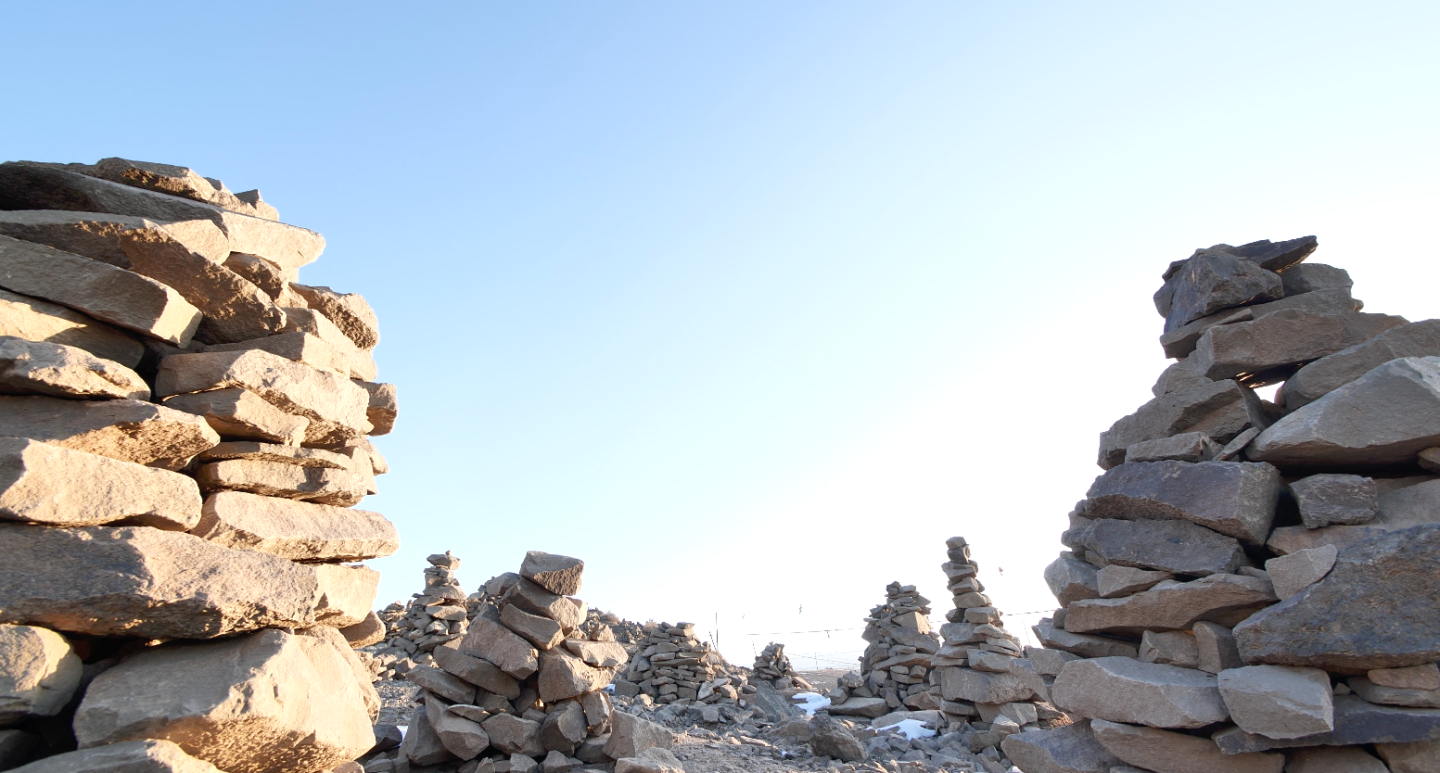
point(514, 735)
point(321, 485)
point(1385, 417)
point(274, 452)
point(384, 408)
point(1216, 647)
point(1326, 500)
point(563, 675)
point(829, 738)
point(1181, 341)
point(1219, 409)
point(139, 581)
point(1066, 749)
point(493, 642)
point(1325, 375)
point(147, 756)
point(1424, 677)
point(176, 181)
point(1278, 701)
point(315, 352)
point(1172, 648)
point(1115, 580)
point(299, 531)
point(1071, 579)
point(252, 704)
point(240, 414)
point(481, 673)
point(36, 320)
point(1173, 606)
point(47, 484)
point(1212, 281)
point(1084, 645)
point(1394, 696)
point(421, 745)
point(1349, 760)
point(1233, 498)
point(1165, 751)
point(1379, 607)
point(1313, 277)
point(1179, 547)
point(1416, 757)
point(128, 430)
point(1277, 256)
point(560, 575)
point(1356, 722)
point(464, 738)
point(1293, 572)
point(1286, 338)
point(960, 684)
point(30, 367)
point(631, 735)
point(39, 672)
point(1126, 690)
point(350, 312)
point(1185, 447)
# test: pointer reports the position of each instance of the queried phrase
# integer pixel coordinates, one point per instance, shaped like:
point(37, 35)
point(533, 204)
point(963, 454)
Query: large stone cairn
point(523, 687)
point(896, 664)
point(772, 666)
point(433, 617)
point(984, 680)
point(1255, 585)
point(671, 666)
point(183, 429)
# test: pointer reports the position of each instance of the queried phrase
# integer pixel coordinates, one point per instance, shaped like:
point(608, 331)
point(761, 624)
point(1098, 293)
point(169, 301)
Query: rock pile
point(524, 688)
point(772, 666)
point(895, 668)
point(183, 432)
point(433, 617)
point(627, 632)
point(671, 665)
point(985, 680)
point(1255, 585)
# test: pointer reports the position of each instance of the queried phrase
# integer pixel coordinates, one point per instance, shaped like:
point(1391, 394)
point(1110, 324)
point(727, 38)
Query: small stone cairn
point(433, 617)
point(1252, 584)
point(523, 688)
point(774, 667)
point(184, 429)
point(671, 666)
point(896, 664)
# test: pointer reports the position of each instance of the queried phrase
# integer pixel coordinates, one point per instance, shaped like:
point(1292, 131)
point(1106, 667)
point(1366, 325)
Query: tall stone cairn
point(184, 433)
point(671, 666)
point(772, 666)
point(1255, 585)
point(524, 687)
point(434, 616)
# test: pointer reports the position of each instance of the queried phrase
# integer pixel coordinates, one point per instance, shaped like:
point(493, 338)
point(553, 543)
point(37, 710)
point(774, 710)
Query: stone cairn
point(522, 686)
point(672, 666)
point(896, 664)
point(773, 666)
point(433, 617)
point(184, 431)
point(1255, 585)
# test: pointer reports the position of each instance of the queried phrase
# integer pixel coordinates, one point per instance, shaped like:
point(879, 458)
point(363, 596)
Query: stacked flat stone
point(896, 664)
point(523, 688)
point(628, 632)
point(433, 617)
point(184, 428)
point(1255, 585)
point(672, 666)
point(772, 666)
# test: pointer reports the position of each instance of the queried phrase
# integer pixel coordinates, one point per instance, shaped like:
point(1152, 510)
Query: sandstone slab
point(514, 735)
point(1417, 757)
point(36, 320)
point(97, 235)
point(1278, 701)
point(464, 738)
point(1165, 751)
point(252, 704)
point(383, 409)
point(1233, 498)
point(1387, 416)
point(562, 675)
point(1219, 409)
point(493, 642)
point(961, 684)
point(1394, 696)
point(128, 430)
point(1325, 375)
point(39, 672)
point(482, 673)
point(1126, 690)
point(1423, 677)
point(1286, 338)
point(308, 349)
point(1171, 648)
point(560, 575)
point(176, 181)
point(543, 632)
point(1293, 572)
point(274, 452)
point(1084, 645)
point(861, 707)
point(1173, 606)
point(1348, 760)
point(600, 654)
point(536, 600)
point(139, 581)
point(1357, 722)
point(1179, 547)
point(1115, 580)
point(631, 735)
point(321, 485)
point(1379, 607)
point(302, 319)
point(57, 370)
point(47, 484)
point(239, 413)
point(299, 531)
point(147, 756)
point(1066, 749)
point(1185, 447)
point(349, 311)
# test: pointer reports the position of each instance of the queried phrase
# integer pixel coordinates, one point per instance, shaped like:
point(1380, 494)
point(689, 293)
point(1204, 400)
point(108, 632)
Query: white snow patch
point(910, 728)
point(403, 728)
point(811, 702)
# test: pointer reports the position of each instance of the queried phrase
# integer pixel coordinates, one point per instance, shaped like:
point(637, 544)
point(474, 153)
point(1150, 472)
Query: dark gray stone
point(1234, 498)
point(1312, 277)
point(1220, 409)
point(1356, 722)
point(1071, 579)
point(1277, 256)
point(1084, 645)
point(1325, 500)
point(1179, 547)
point(1181, 341)
point(1173, 606)
point(1325, 375)
point(560, 575)
point(1066, 749)
point(1211, 281)
point(1379, 607)
point(1283, 340)
point(829, 738)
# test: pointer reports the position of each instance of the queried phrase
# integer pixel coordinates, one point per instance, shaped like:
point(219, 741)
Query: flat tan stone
point(109, 294)
point(275, 452)
point(128, 430)
point(1423, 677)
point(1346, 760)
point(361, 674)
point(55, 486)
point(35, 320)
point(30, 367)
point(335, 406)
point(96, 235)
point(1126, 690)
point(383, 408)
point(1294, 572)
point(39, 672)
point(299, 531)
point(239, 413)
point(147, 756)
point(369, 631)
point(260, 703)
point(349, 311)
point(300, 319)
point(1278, 701)
point(309, 349)
point(600, 654)
point(543, 632)
point(177, 181)
point(1415, 757)
point(1173, 606)
point(321, 485)
point(1164, 751)
point(140, 581)
point(490, 641)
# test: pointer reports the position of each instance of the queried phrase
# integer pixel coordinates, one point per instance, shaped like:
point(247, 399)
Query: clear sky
point(751, 304)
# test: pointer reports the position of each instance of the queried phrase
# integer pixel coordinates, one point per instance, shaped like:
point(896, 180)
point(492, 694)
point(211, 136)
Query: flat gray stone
point(1394, 696)
point(1115, 580)
point(1173, 606)
point(1357, 722)
point(1179, 547)
point(1385, 417)
point(1325, 375)
point(1211, 281)
point(1278, 701)
point(1181, 341)
point(1328, 499)
point(1313, 277)
point(1126, 690)
point(1422, 677)
point(1417, 757)
point(1379, 607)
point(1293, 572)
point(299, 531)
point(1233, 498)
point(1170, 648)
point(1400, 507)
point(1277, 256)
point(1220, 410)
point(1071, 579)
point(1185, 447)
point(1164, 751)
point(1084, 645)
point(1066, 749)
point(1286, 338)
point(1216, 647)
point(47, 484)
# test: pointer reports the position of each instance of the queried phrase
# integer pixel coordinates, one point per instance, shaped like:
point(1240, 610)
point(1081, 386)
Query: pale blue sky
point(751, 305)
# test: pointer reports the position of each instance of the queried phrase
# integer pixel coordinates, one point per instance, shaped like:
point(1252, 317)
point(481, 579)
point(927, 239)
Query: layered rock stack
point(671, 665)
point(522, 688)
point(1255, 585)
point(435, 615)
point(984, 679)
point(184, 433)
point(772, 666)
point(896, 664)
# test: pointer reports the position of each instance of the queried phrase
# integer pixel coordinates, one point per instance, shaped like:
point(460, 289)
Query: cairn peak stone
point(560, 575)
point(1277, 256)
point(1387, 416)
point(1219, 409)
point(1233, 498)
point(1314, 277)
point(1211, 281)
